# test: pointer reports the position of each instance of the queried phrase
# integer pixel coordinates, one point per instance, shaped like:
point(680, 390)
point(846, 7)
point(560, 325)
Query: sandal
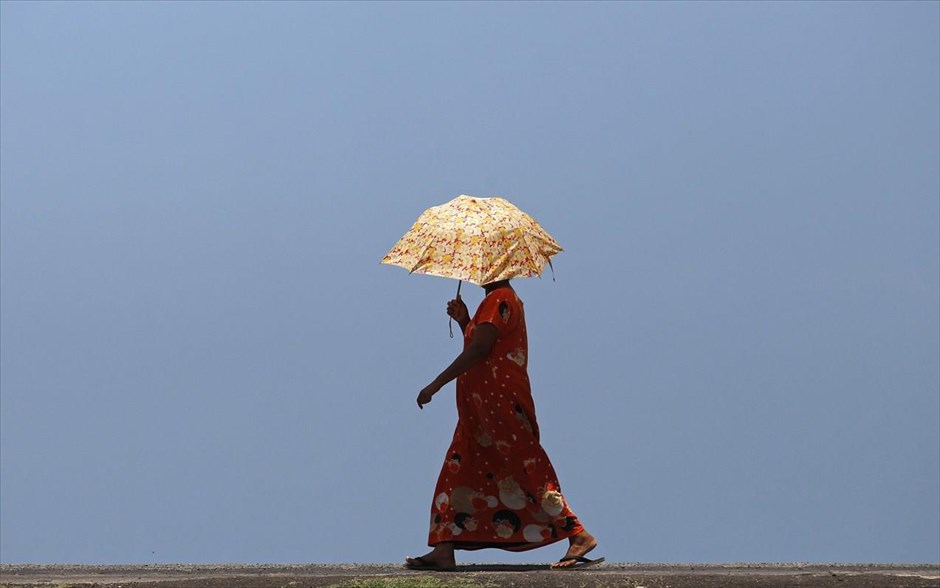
point(582, 562)
point(419, 563)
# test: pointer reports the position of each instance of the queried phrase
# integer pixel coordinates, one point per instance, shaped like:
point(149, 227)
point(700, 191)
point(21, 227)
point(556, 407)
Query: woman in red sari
point(497, 487)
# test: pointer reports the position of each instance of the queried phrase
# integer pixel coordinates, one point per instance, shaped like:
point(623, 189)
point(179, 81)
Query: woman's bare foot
point(441, 559)
point(578, 546)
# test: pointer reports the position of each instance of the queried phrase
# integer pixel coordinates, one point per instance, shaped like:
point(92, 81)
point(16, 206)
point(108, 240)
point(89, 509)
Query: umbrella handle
point(450, 322)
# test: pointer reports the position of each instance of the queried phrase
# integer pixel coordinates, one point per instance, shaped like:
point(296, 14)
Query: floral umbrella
point(478, 240)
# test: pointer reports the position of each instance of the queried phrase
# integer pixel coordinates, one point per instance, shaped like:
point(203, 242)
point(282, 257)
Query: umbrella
point(477, 240)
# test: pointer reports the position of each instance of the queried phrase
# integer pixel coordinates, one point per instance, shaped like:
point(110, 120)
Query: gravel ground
point(521, 576)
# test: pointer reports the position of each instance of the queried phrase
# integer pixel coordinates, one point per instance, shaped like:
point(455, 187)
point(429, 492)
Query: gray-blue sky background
point(203, 361)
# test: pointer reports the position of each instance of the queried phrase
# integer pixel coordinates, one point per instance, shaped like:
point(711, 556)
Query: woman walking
point(497, 487)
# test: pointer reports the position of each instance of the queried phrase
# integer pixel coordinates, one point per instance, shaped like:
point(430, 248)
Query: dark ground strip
point(516, 576)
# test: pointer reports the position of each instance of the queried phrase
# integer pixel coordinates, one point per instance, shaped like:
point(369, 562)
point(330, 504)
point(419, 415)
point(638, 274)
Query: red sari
point(497, 487)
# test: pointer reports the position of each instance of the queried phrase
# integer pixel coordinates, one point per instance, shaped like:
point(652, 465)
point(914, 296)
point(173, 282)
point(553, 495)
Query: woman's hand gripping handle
point(457, 310)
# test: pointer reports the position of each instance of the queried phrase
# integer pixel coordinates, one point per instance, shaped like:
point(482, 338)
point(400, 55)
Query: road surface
point(609, 575)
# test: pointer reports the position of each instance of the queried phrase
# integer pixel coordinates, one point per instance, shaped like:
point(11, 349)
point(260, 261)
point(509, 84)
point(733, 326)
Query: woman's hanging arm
point(484, 337)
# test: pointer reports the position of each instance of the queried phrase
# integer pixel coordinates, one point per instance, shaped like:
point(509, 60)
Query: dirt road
point(521, 576)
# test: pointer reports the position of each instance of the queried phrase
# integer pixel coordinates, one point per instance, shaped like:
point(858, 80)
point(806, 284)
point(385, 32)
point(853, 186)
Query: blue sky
point(203, 361)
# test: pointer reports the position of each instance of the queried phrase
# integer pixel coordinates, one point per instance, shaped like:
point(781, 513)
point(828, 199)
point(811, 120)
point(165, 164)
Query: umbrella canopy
point(478, 240)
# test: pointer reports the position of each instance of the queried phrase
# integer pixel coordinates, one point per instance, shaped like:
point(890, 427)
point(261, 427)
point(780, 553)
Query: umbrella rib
point(539, 256)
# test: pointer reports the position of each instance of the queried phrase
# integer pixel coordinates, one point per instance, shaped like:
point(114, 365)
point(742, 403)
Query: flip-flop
point(419, 563)
point(582, 562)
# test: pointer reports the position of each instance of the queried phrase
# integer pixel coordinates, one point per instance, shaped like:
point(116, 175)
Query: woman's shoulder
point(502, 307)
